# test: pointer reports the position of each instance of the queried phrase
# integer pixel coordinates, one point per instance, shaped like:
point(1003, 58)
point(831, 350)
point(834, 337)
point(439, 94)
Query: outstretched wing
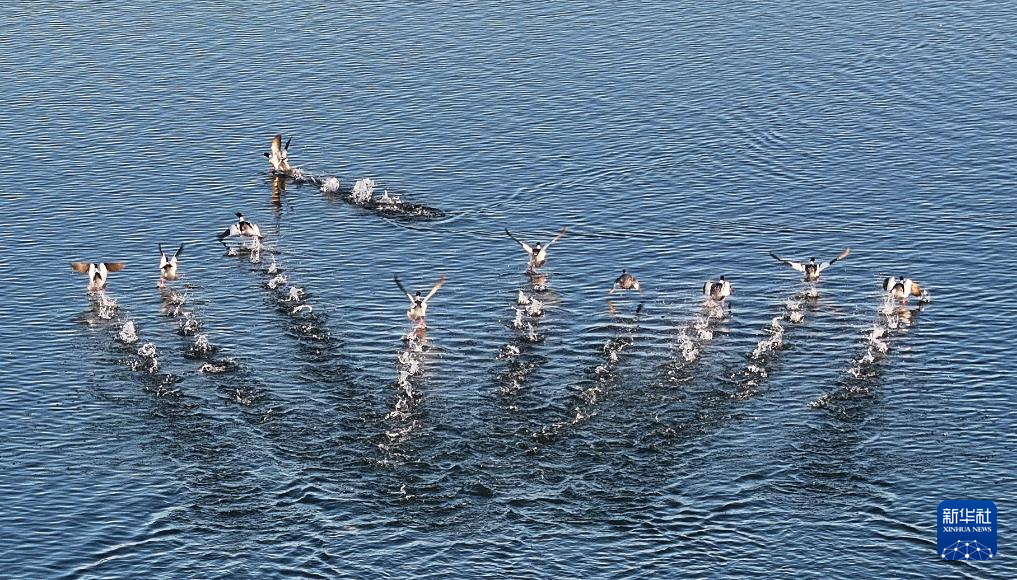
point(114, 266)
point(163, 260)
point(176, 254)
point(287, 147)
point(80, 267)
point(403, 288)
point(888, 284)
point(796, 265)
point(841, 256)
point(707, 287)
point(558, 237)
point(277, 146)
point(435, 289)
point(526, 247)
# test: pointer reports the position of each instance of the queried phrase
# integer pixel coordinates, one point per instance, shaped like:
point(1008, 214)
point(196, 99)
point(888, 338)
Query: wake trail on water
point(861, 377)
point(598, 381)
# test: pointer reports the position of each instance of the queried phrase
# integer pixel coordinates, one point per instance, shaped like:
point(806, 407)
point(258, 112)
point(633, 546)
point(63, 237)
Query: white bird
point(537, 252)
point(718, 291)
point(278, 157)
point(242, 228)
point(812, 268)
point(168, 265)
point(901, 288)
point(418, 305)
point(97, 273)
point(625, 282)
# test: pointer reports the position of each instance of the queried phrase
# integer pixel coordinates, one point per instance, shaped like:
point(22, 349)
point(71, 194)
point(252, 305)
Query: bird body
point(718, 291)
point(418, 304)
point(625, 282)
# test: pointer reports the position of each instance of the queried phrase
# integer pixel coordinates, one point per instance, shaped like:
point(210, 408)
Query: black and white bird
point(242, 228)
point(812, 268)
point(168, 265)
point(717, 291)
point(278, 156)
point(418, 305)
point(537, 252)
point(97, 273)
point(902, 288)
point(625, 282)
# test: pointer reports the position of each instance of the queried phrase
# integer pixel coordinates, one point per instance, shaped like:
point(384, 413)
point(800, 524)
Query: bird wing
point(435, 289)
point(526, 247)
point(707, 286)
point(888, 283)
point(287, 147)
point(163, 260)
point(403, 288)
point(277, 146)
point(80, 267)
point(114, 266)
point(841, 256)
point(176, 254)
point(558, 237)
point(796, 265)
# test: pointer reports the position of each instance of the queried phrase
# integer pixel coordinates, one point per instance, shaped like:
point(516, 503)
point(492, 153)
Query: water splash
point(105, 306)
point(128, 334)
point(363, 191)
point(331, 185)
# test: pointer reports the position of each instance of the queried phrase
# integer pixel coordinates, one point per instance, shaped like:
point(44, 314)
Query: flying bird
point(168, 265)
point(97, 273)
point(278, 156)
point(418, 305)
point(625, 282)
point(537, 252)
point(812, 268)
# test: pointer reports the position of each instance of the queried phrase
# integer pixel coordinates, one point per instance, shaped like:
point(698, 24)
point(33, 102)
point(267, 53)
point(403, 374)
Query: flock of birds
point(716, 292)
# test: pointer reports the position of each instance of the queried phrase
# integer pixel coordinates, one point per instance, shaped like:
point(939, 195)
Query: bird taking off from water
point(168, 265)
point(97, 273)
point(537, 252)
point(903, 288)
point(278, 156)
point(717, 291)
point(625, 282)
point(242, 228)
point(812, 268)
point(418, 305)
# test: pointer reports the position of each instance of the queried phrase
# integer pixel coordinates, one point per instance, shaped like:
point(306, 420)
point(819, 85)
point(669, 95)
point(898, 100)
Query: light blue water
point(681, 141)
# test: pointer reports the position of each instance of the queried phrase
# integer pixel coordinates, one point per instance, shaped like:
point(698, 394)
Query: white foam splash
point(149, 357)
point(387, 199)
point(201, 345)
point(331, 185)
point(517, 322)
point(535, 307)
point(273, 268)
point(296, 294)
point(105, 306)
point(363, 191)
point(509, 351)
point(277, 281)
point(301, 309)
point(522, 299)
point(128, 334)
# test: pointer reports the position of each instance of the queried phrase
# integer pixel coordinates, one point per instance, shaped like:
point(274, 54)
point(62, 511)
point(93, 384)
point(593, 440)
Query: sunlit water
point(274, 412)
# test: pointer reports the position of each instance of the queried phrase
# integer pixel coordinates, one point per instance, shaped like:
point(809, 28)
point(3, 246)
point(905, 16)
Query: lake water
point(647, 436)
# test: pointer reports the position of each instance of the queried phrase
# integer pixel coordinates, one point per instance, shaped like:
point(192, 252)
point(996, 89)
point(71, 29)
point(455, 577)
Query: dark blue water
point(681, 141)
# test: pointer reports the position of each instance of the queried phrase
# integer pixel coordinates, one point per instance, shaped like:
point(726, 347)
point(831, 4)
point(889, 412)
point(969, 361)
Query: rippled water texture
point(274, 412)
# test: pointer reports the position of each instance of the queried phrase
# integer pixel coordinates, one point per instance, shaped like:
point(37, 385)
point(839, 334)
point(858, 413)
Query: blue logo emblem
point(966, 530)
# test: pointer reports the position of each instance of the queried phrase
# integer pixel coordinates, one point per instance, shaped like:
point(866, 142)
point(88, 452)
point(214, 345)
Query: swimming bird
point(97, 273)
point(278, 158)
point(812, 268)
point(168, 266)
point(902, 288)
point(718, 291)
point(418, 306)
point(625, 282)
point(242, 228)
point(537, 253)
